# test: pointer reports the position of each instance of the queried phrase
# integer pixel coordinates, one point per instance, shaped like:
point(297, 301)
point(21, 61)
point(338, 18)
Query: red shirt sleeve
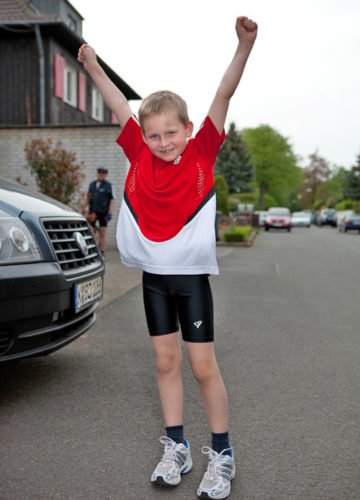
point(208, 140)
point(130, 138)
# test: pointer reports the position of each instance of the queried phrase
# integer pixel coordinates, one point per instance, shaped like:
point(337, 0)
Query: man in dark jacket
point(101, 200)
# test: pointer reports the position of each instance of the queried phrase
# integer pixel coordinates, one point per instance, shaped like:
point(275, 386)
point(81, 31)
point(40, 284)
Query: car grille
point(62, 236)
point(6, 340)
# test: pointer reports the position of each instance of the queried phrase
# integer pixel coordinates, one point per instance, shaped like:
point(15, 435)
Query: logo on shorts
point(198, 323)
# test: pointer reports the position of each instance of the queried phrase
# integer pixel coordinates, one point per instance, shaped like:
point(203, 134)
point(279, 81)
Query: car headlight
point(17, 244)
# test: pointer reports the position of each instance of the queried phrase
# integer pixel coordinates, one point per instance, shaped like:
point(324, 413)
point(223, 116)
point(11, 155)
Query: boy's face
point(166, 135)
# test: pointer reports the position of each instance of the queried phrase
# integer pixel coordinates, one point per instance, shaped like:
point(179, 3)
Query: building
point(45, 92)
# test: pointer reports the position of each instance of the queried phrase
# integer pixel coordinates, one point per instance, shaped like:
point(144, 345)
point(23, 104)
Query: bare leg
point(207, 373)
point(94, 230)
point(102, 238)
point(168, 365)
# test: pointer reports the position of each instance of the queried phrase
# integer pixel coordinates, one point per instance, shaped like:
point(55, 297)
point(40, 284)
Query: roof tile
point(19, 10)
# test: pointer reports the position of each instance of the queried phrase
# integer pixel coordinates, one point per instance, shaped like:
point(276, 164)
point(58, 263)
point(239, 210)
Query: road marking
point(277, 267)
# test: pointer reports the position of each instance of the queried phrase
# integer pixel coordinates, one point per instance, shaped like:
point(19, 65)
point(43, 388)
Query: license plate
point(88, 292)
point(277, 224)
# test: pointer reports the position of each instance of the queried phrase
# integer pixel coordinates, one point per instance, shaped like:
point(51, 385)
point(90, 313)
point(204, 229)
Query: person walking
point(100, 201)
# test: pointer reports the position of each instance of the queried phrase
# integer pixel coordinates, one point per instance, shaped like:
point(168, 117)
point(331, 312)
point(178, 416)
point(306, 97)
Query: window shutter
point(113, 118)
point(59, 76)
point(82, 91)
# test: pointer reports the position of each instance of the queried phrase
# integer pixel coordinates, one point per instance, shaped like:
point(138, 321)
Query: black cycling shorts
point(170, 299)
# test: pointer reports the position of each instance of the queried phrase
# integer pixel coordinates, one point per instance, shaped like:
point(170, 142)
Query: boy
point(166, 227)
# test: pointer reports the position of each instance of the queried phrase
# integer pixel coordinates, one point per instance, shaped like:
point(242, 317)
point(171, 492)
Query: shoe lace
point(169, 450)
point(216, 461)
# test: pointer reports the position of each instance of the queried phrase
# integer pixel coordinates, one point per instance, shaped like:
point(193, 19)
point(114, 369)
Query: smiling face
point(166, 135)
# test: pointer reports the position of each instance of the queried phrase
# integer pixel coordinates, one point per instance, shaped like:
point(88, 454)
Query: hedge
point(238, 233)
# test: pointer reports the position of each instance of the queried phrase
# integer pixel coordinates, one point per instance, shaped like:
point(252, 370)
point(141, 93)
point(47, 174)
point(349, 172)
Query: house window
point(70, 85)
point(97, 105)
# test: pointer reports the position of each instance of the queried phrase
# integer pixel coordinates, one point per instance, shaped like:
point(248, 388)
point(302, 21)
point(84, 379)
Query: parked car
point(350, 223)
point(278, 218)
point(51, 274)
point(301, 219)
point(262, 216)
point(326, 216)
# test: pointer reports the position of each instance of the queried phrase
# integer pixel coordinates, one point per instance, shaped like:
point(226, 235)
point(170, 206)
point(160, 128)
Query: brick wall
point(93, 145)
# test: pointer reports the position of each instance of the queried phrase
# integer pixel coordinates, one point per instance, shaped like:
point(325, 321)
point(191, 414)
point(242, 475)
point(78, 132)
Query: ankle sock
point(176, 433)
point(220, 442)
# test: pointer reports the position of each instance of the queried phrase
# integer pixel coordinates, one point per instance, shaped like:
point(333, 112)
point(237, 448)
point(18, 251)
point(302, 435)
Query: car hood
point(16, 199)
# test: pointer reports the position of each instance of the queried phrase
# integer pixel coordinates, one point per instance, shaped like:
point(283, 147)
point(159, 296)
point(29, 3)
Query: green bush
point(345, 205)
point(238, 233)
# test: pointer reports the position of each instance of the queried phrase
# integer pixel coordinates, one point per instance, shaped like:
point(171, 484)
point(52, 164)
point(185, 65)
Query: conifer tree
point(352, 182)
point(235, 163)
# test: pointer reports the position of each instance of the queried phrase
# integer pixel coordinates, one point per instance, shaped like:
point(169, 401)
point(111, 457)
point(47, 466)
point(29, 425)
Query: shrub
point(345, 205)
point(238, 233)
point(356, 206)
point(56, 172)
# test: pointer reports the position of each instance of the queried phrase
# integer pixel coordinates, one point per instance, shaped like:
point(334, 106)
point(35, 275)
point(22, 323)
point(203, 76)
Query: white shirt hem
point(171, 269)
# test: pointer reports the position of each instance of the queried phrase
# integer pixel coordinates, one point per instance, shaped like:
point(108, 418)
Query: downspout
point(40, 47)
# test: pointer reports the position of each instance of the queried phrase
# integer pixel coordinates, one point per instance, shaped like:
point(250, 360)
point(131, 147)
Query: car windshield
point(329, 211)
point(355, 217)
point(299, 214)
point(279, 211)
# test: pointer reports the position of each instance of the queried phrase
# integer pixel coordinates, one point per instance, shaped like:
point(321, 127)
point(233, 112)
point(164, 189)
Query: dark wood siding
point(20, 87)
point(19, 76)
point(62, 113)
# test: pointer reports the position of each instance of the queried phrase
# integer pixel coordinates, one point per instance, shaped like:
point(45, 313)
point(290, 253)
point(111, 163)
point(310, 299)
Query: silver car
point(301, 219)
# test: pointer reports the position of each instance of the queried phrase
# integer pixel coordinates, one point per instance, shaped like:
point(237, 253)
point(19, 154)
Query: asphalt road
point(84, 422)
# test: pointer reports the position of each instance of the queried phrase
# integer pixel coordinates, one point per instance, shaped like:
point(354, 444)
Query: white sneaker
point(175, 461)
point(216, 482)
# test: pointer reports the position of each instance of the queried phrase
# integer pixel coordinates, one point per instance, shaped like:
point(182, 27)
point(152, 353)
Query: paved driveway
point(83, 423)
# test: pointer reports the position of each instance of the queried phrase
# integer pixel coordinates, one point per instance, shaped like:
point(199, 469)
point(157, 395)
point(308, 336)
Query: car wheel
point(289, 229)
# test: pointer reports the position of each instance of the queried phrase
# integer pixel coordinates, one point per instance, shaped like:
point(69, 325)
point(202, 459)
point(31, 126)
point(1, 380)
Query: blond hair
point(163, 100)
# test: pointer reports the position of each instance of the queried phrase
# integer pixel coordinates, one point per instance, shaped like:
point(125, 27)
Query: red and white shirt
point(167, 218)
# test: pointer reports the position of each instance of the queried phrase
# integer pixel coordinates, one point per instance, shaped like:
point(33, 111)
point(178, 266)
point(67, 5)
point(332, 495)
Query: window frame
point(71, 84)
point(97, 105)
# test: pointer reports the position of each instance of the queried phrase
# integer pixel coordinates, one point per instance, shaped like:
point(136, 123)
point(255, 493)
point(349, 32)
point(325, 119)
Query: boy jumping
point(166, 228)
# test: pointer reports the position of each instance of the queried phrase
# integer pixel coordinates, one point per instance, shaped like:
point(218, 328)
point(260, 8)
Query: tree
point(222, 194)
point(332, 190)
point(234, 162)
point(276, 167)
point(315, 174)
point(352, 182)
point(56, 172)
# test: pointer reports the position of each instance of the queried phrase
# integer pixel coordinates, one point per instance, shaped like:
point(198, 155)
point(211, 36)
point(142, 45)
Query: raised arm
point(246, 31)
point(113, 97)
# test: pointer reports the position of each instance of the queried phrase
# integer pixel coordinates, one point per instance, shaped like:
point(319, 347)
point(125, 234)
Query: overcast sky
point(302, 78)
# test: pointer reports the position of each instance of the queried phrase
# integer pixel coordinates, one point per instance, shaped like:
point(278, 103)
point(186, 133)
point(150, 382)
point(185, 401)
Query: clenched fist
point(246, 29)
point(87, 55)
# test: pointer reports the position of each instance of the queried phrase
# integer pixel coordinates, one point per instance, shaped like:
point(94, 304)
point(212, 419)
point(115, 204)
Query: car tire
point(289, 229)
point(266, 228)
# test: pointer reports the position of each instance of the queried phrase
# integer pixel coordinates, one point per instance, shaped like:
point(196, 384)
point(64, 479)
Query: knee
point(204, 371)
point(167, 363)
